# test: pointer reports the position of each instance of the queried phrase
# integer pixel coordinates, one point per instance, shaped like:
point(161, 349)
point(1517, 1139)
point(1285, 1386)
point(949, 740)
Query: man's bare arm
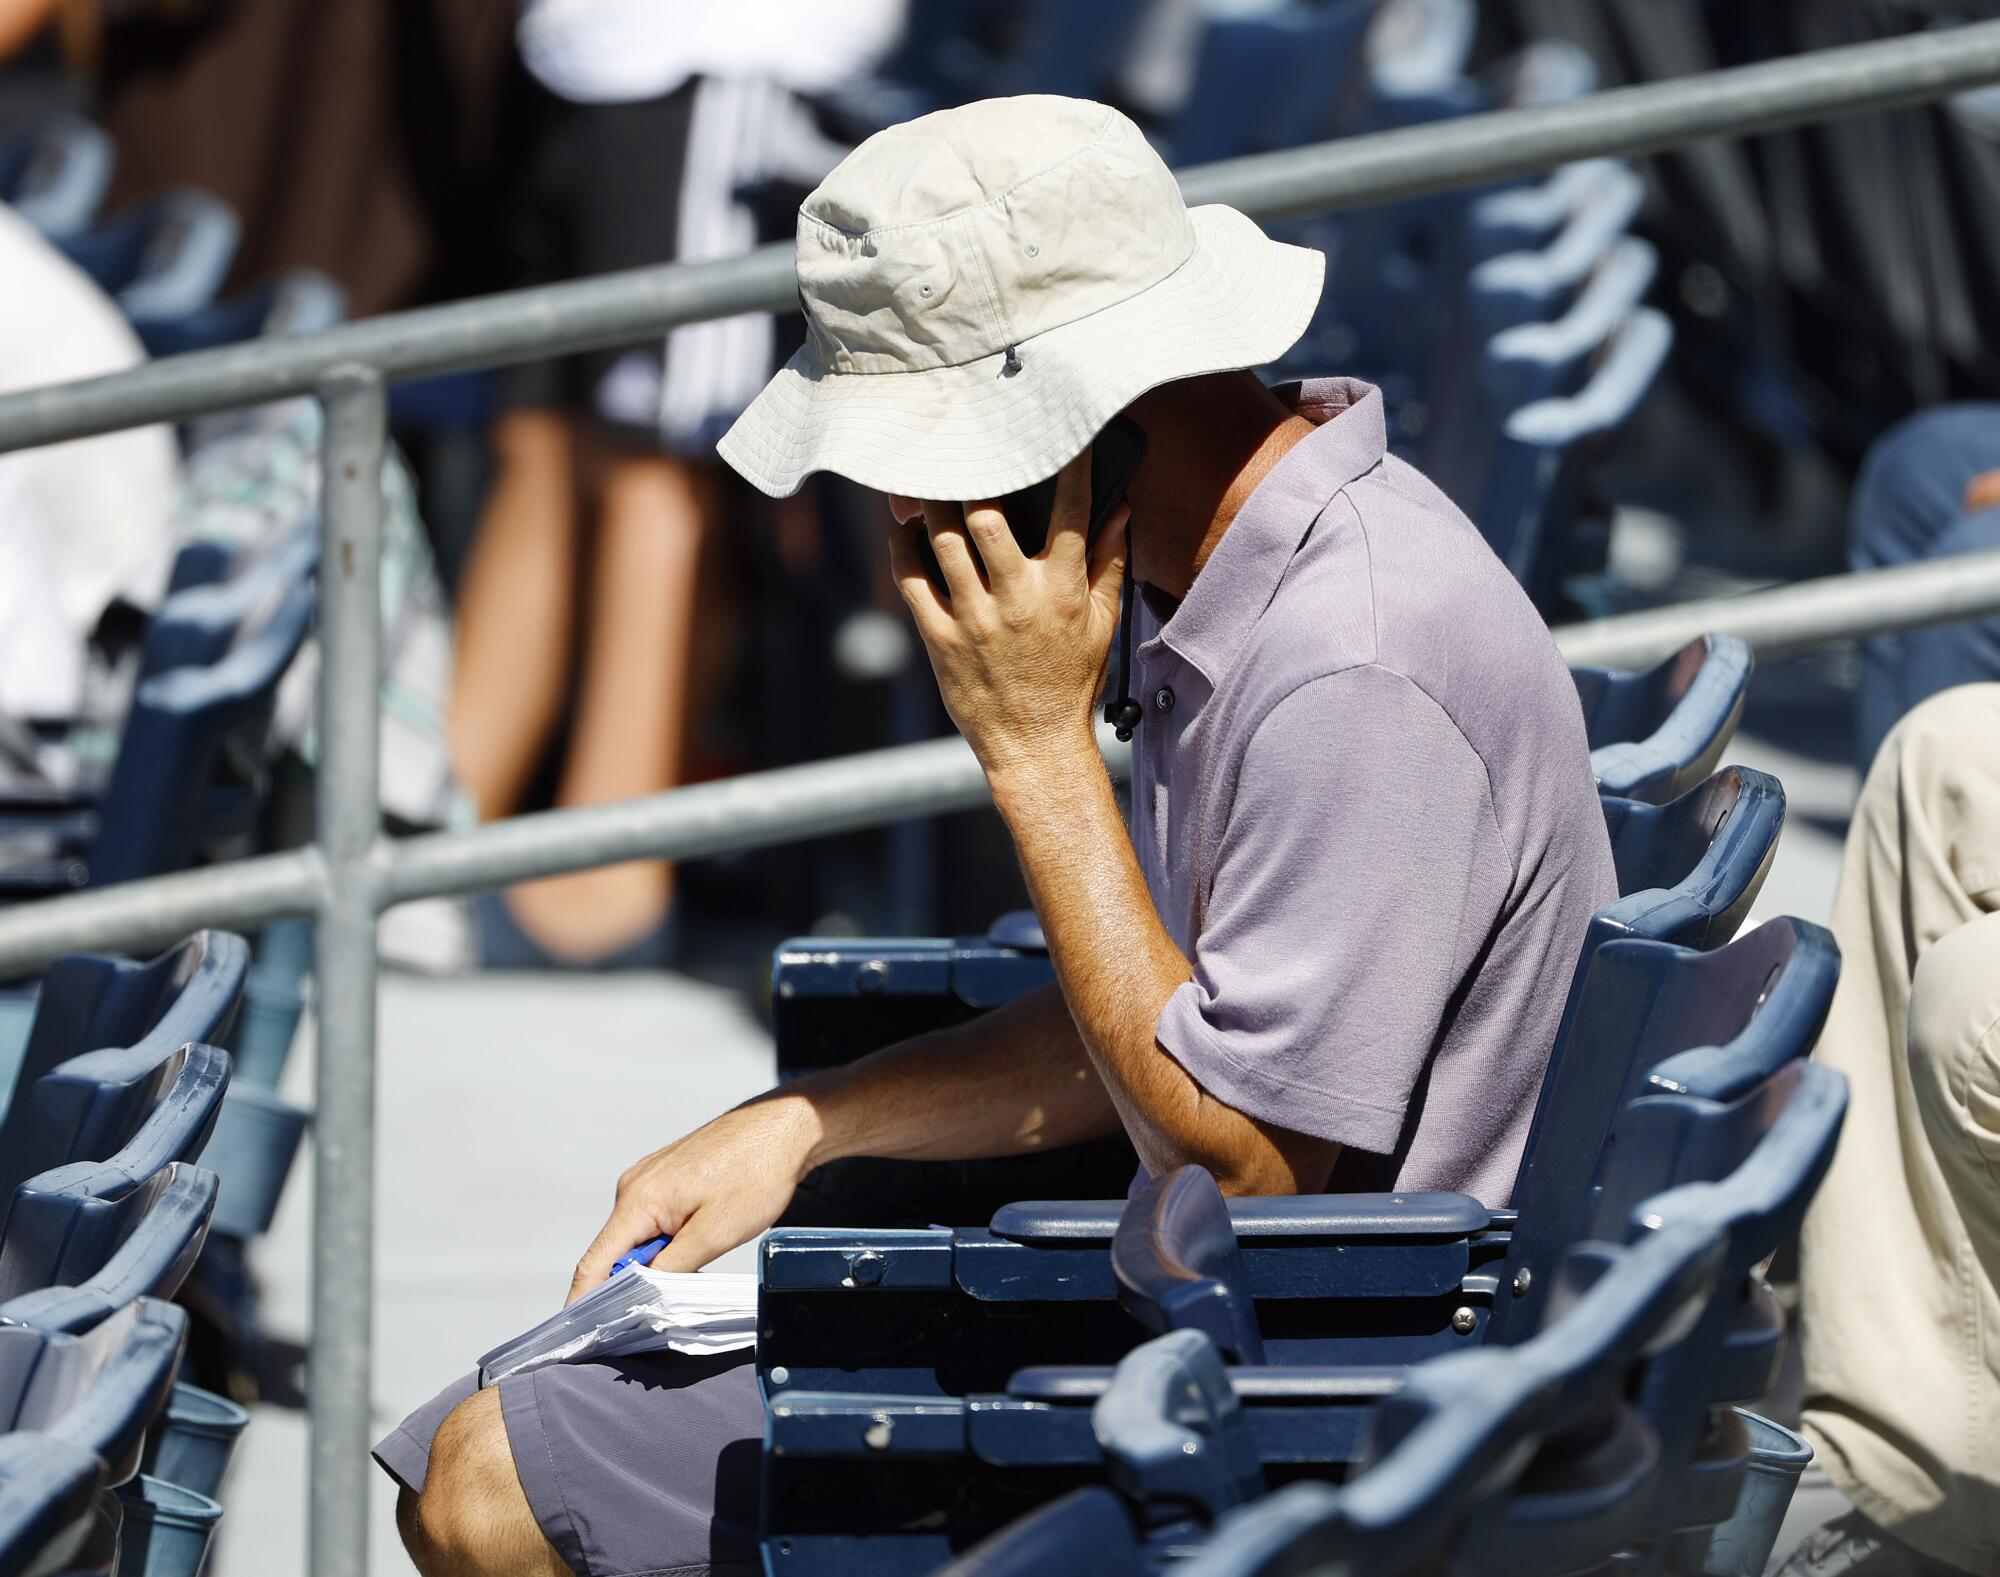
point(1011, 1081)
point(1018, 646)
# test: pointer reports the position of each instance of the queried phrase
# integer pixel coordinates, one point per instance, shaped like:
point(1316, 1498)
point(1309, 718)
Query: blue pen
point(642, 1255)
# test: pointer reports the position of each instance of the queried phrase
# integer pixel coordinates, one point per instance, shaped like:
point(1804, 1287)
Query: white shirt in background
point(81, 523)
point(622, 51)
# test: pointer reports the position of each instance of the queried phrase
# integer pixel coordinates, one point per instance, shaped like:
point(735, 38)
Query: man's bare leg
point(473, 1518)
point(516, 612)
point(631, 714)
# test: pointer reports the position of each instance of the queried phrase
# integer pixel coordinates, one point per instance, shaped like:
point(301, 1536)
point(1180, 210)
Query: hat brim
point(978, 431)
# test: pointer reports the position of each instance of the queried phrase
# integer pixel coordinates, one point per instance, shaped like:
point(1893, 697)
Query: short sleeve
point(1358, 853)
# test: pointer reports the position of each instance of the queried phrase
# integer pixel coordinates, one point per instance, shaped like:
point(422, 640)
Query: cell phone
point(1115, 457)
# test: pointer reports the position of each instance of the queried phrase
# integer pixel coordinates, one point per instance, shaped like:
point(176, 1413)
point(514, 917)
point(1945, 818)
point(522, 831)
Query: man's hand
point(724, 1184)
point(1018, 644)
point(1982, 492)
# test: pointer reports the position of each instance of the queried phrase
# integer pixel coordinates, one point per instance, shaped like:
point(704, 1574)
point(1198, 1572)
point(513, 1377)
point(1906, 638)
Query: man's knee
point(1912, 483)
point(473, 1517)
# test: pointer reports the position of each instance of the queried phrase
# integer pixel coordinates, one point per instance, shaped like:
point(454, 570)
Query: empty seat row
point(1603, 1432)
point(107, 1461)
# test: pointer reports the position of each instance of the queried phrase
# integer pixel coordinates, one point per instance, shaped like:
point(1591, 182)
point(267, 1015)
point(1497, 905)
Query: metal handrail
point(524, 325)
point(350, 873)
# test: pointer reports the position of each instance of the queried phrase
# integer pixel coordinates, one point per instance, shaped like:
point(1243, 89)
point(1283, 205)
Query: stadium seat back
point(54, 173)
point(1518, 288)
point(162, 257)
point(1174, 1436)
point(91, 1004)
point(1747, 1167)
point(1536, 500)
point(197, 627)
point(1179, 1268)
point(1759, 1002)
point(48, 1501)
point(68, 1222)
point(1656, 733)
point(1268, 79)
point(100, 1391)
point(297, 301)
point(1689, 871)
point(196, 738)
point(151, 1263)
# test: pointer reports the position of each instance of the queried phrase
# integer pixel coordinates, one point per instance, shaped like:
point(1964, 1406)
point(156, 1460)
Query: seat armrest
point(1316, 1216)
point(1264, 1384)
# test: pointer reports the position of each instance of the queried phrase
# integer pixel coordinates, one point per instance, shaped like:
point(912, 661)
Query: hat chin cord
point(1124, 713)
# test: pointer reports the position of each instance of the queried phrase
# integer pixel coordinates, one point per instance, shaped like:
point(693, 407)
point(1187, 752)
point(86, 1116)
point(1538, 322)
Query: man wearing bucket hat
point(1333, 946)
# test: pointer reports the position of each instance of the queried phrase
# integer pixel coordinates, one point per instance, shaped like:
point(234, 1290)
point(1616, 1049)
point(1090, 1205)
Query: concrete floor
point(509, 1104)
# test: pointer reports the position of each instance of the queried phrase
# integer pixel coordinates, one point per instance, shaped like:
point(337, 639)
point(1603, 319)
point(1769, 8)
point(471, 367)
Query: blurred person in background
point(357, 137)
point(1900, 1256)
point(645, 123)
point(1929, 488)
point(84, 525)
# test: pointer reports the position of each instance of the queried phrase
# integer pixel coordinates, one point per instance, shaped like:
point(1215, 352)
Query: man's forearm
point(1012, 1081)
point(1118, 966)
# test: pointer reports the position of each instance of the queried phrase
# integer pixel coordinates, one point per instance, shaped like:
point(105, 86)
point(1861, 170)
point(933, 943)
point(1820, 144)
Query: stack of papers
point(638, 1310)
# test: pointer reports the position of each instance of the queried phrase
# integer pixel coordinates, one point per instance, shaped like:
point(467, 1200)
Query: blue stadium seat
point(1523, 364)
point(1180, 1267)
point(151, 1263)
point(1536, 499)
point(163, 257)
point(1539, 287)
point(1735, 1163)
point(1388, 1278)
point(67, 1223)
point(86, 1002)
point(1528, 217)
point(48, 1501)
point(188, 771)
point(1301, 59)
point(1657, 732)
point(297, 301)
point(54, 173)
point(196, 627)
point(1178, 1437)
point(94, 1106)
point(1700, 846)
point(1463, 1432)
point(101, 1391)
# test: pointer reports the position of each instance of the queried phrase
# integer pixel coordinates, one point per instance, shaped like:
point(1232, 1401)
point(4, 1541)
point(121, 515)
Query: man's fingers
point(946, 524)
point(913, 577)
point(695, 1245)
point(1982, 492)
point(625, 1231)
point(1069, 521)
point(998, 550)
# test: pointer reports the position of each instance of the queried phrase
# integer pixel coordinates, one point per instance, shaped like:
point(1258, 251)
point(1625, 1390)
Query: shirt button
point(1163, 698)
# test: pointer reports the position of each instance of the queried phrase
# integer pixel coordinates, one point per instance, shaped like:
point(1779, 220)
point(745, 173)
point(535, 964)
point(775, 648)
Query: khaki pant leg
point(1884, 1303)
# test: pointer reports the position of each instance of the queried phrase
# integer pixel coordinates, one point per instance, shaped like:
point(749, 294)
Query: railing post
point(343, 1286)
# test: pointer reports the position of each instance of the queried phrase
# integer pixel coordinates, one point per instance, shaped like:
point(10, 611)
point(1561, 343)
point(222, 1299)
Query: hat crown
point(958, 235)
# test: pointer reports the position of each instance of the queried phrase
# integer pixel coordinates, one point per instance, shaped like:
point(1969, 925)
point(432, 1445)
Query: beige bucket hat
point(986, 287)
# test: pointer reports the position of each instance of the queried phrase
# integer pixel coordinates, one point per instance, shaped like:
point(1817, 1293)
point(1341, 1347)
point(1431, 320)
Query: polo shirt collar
point(1236, 585)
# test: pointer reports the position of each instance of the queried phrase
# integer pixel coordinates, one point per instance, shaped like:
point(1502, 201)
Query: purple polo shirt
point(1363, 804)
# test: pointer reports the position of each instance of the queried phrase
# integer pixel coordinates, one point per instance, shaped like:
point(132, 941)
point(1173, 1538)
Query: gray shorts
point(640, 1467)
